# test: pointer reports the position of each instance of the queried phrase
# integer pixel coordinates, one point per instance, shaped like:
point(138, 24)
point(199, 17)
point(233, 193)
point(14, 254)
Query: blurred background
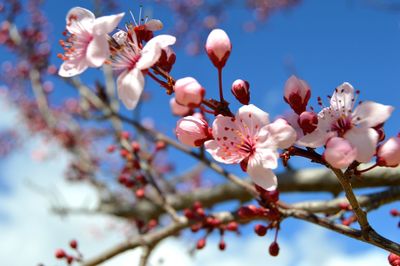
point(323, 42)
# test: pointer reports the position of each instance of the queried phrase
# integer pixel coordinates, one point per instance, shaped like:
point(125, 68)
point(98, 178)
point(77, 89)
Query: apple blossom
point(356, 126)
point(218, 47)
point(87, 44)
point(389, 152)
point(249, 139)
point(339, 153)
point(241, 91)
point(188, 92)
point(132, 60)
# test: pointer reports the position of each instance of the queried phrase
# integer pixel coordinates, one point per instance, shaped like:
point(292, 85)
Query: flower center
point(342, 125)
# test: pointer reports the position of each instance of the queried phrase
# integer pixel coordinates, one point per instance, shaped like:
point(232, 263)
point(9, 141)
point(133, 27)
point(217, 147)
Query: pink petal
point(315, 139)
point(251, 119)
point(97, 51)
point(261, 176)
point(72, 68)
point(130, 86)
point(370, 114)
point(342, 98)
point(227, 133)
point(220, 154)
point(106, 24)
point(339, 153)
point(82, 15)
point(152, 50)
point(277, 134)
point(365, 141)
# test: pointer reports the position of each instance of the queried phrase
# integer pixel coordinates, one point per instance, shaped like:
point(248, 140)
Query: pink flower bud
point(389, 153)
point(241, 91)
point(339, 153)
point(178, 109)
point(308, 121)
point(393, 259)
point(192, 131)
point(297, 94)
point(188, 92)
point(218, 47)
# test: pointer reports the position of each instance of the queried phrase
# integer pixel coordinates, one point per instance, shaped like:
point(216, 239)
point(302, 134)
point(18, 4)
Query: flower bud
point(218, 47)
point(178, 109)
point(167, 59)
point(60, 253)
point(260, 230)
point(201, 243)
point(339, 153)
point(274, 249)
point(389, 153)
point(188, 92)
point(241, 91)
point(297, 93)
point(192, 131)
point(308, 121)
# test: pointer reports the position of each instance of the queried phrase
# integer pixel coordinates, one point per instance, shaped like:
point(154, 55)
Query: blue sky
point(325, 42)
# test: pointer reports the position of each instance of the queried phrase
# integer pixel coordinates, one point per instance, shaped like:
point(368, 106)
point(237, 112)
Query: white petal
point(220, 155)
point(130, 86)
point(263, 177)
point(365, 141)
point(106, 24)
point(315, 139)
point(79, 14)
point(251, 119)
point(151, 52)
point(154, 25)
point(342, 98)
point(72, 68)
point(97, 51)
point(370, 114)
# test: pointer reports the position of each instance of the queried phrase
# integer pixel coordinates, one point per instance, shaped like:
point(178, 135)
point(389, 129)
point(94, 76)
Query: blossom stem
point(221, 93)
point(357, 172)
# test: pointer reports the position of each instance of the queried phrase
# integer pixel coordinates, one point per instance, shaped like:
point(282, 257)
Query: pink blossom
point(241, 90)
point(356, 126)
point(87, 44)
point(218, 47)
point(297, 93)
point(192, 131)
point(188, 92)
point(389, 152)
point(178, 109)
point(249, 139)
point(339, 153)
point(132, 60)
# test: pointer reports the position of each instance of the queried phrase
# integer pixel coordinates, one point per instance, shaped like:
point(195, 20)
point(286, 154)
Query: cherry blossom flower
point(87, 44)
point(356, 126)
point(132, 60)
point(249, 139)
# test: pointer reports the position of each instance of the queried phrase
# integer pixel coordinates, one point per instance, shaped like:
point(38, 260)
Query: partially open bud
point(241, 91)
point(297, 94)
point(178, 109)
point(308, 121)
point(192, 131)
point(188, 92)
point(218, 47)
point(389, 152)
point(339, 153)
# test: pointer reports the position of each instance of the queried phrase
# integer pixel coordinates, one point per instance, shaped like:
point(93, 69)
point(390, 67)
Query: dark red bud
point(125, 135)
point(232, 226)
point(111, 148)
point(394, 260)
point(73, 244)
point(344, 206)
point(274, 249)
point(135, 146)
point(201, 243)
point(241, 90)
point(260, 230)
point(60, 253)
point(139, 193)
point(222, 245)
point(394, 212)
point(188, 214)
point(308, 121)
point(160, 145)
